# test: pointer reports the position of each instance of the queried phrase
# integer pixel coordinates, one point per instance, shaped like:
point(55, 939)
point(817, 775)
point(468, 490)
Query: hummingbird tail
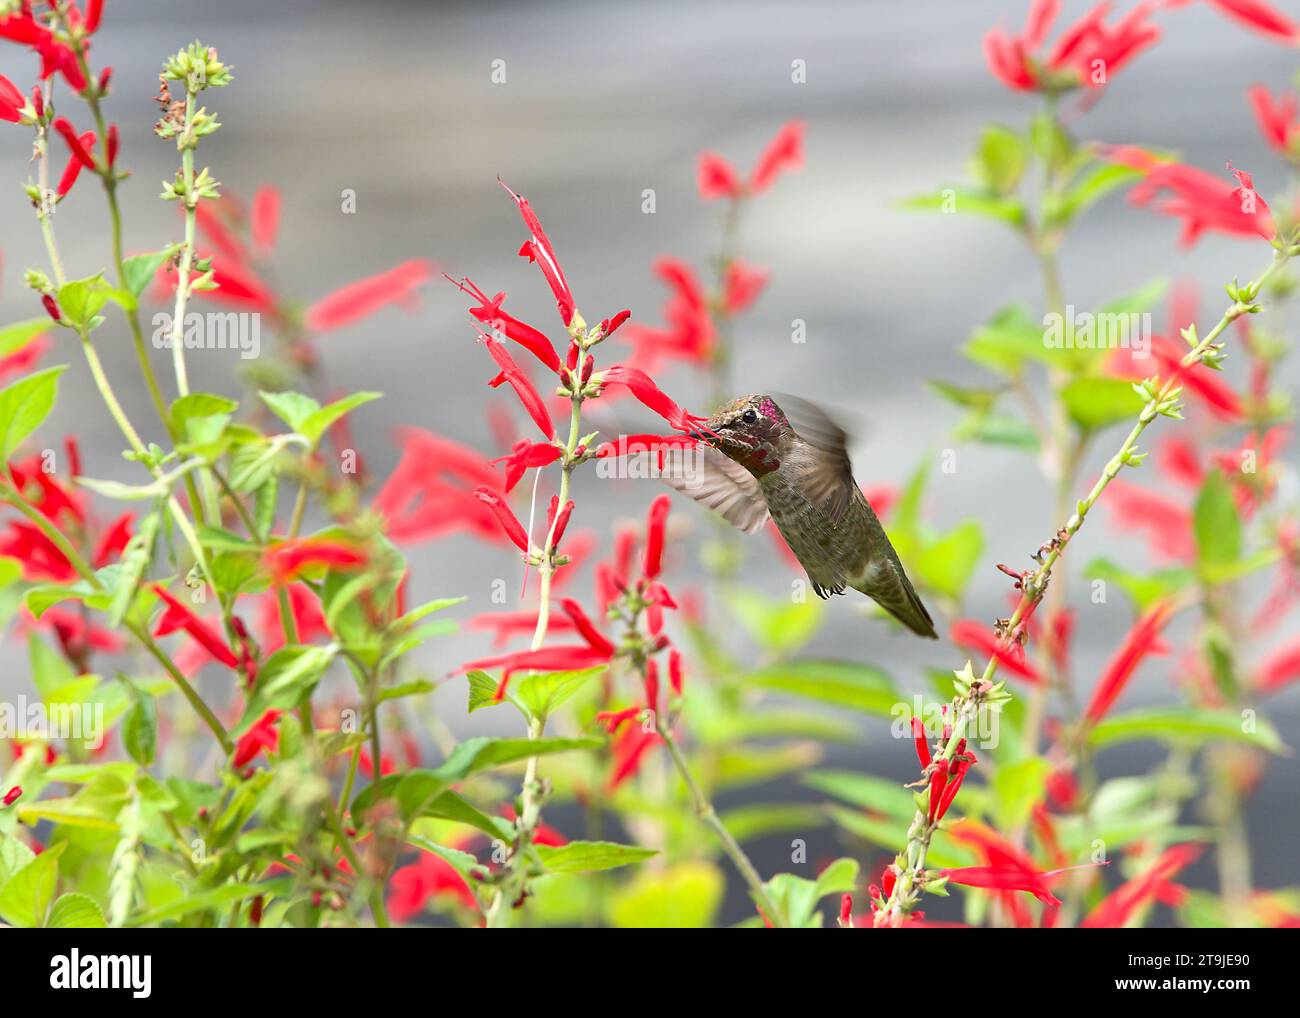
point(894, 592)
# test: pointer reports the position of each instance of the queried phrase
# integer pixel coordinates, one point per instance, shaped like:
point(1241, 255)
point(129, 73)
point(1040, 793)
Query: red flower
point(308, 619)
point(675, 671)
point(22, 28)
point(1085, 48)
point(263, 735)
point(265, 218)
point(1276, 117)
point(490, 314)
point(430, 492)
point(783, 153)
point(922, 742)
point(1117, 908)
point(586, 628)
point(509, 522)
point(78, 147)
point(506, 625)
point(654, 542)
point(177, 616)
point(366, 296)
point(689, 334)
point(717, 178)
point(1167, 524)
point(11, 101)
point(547, 659)
point(1202, 200)
point(557, 519)
point(642, 386)
point(742, 286)
point(1142, 639)
point(938, 778)
point(1278, 669)
point(288, 559)
point(412, 887)
point(94, 11)
point(524, 388)
point(538, 249)
point(629, 750)
point(527, 456)
point(73, 170)
point(12, 795)
point(1260, 17)
point(1010, 655)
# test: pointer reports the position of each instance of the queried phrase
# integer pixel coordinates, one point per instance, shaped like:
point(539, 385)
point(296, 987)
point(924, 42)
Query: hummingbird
point(755, 462)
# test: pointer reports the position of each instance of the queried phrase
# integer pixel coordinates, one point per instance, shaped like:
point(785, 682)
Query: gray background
point(395, 101)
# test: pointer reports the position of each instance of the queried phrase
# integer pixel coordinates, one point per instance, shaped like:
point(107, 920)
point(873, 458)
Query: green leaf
point(966, 201)
point(138, 271)
point(682, 896)
point(947, 564)
point(482, 691)
point(315, 424)
point(19, 335)
point(842, 683)
point(428, 608)
point(200, 901)
point(80, 300)
point(1017, 787)
point(135, 559)
point(288, 675)
point(780, 625)
point(140, 728)
point(1100, 181)
point(26, 896)
point(587, 856)
point(1191, 725)
point(1216, 523)
point(759, 820)
point(291, 407)
point(543, 693)
point(478, 754)
point(76, 912)
point(24, 405)
point(1145, 590)
point(797, 897)
point(1095, 403)
point(199, 407)
point(1008, 340)
point(999, 161)
point(879, 795)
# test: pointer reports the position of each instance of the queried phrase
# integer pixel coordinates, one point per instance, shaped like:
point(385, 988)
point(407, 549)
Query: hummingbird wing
point(828, 476)
point(723, 485)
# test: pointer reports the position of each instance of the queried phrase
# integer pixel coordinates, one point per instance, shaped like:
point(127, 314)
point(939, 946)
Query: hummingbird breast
point(834, 553)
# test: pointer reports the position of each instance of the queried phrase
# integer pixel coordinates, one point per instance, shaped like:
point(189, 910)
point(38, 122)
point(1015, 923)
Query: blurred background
point(396, 102)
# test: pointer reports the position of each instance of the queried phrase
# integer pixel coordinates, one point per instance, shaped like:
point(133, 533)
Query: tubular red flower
point(1167, 524)
point(716, 177)
point(526, 456)
point(1143, 639)
point(1118, 907)
point(73, 170)
point(1279, 669)
point(846, 910)
point(358, 300)
point(490, 314)
point(12, 795)
point(675, 671)
point(509, 522)
point(652, 562)
point(921, 741)
point(1276, 117)
point(547, 659)
point(538, 249)
point(94, 11)
point(608, 326)
point(938, 778)
point(586, 628)
point(265, 218)
point(961, 763)
point(262, 736)
point(506, 625)
point(629, 749)
point(1011, 656)
point(178, 616)
point(642, 386)
point(559, 521)
point(288, 559)
point(114, 142)
point(75, 144)
point(1260, 17)
point(784, 153)
point(743, 284)
point(524, 388)
point(11, 101)
point(614, 720)
point(652, 684)
point(51, 307)
point(1003, 878)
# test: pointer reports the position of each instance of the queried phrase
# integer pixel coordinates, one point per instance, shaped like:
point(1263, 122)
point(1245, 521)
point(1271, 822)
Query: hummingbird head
point(751, 430)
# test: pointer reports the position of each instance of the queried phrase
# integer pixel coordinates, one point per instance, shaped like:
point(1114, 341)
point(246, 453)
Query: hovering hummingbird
point(756, 462)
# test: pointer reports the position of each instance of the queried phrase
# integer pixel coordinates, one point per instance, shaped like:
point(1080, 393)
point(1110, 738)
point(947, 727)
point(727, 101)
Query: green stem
point(705, 811)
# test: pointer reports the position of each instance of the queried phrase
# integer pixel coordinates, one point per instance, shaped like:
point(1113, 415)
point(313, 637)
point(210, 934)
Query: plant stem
point(705, 811)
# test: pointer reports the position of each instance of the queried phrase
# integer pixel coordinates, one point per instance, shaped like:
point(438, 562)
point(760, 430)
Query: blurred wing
point(829, 472)
point(724, 486)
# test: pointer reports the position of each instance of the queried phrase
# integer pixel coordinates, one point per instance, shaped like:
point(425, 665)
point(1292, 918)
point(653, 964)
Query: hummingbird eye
point(749, 417)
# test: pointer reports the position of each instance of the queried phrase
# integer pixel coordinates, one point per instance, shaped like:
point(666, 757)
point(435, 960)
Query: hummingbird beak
point(702, 435)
